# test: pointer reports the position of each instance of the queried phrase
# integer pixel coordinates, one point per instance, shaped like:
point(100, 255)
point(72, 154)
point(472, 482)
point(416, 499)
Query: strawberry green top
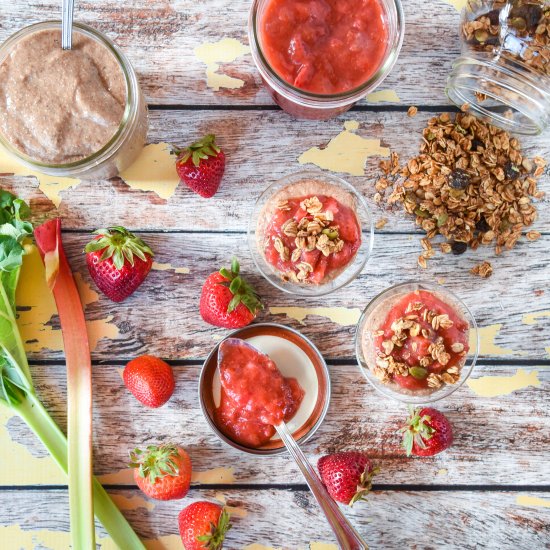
point(422, 342)
point(324, 46)
point(255, 395)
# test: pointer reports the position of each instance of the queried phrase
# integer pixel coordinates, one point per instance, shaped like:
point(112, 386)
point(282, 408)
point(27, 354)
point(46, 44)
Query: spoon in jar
point(67, 24)
point(348, 538)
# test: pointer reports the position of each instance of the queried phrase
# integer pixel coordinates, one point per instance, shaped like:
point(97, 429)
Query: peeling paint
point(216, 475)
point(51, 186)
point(493, 386)
point(532, 318)
point(322, 546)
point(154, 170)
point(169, 267)
point(122, 477)
point(347, 152)
point(383, 96)
point(487, 345)
point(527, 500)
point(340, 315)
point(223, 51)
point(132, 503)
point(36, 307)
point(457, 4)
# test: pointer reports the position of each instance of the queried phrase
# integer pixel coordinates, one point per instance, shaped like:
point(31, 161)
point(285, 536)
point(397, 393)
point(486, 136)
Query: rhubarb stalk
point(79, 382)
point(16, 385)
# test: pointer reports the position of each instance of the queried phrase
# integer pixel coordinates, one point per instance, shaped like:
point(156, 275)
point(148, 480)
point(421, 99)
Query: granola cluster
point(470, 183)
point(314, 230)
point(527, 20)
point(410, 326)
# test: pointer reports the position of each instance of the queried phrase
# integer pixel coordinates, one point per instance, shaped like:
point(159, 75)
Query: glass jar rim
point(348, 96)
point(469, 364)
point(131, 94)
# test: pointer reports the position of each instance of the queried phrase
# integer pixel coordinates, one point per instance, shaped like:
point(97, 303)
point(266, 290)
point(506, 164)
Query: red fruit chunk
point(163, 472)
point(150, 380)
point(255, 396)
point(428, 432)
point(347, 476)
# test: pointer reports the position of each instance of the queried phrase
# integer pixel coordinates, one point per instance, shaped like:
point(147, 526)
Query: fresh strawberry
point(227, 300)
point(203, 525)
point(162, 472)
point(201, 166)
point(118, 262)
point(150, 380)
point(427, 432)
point(347, 476)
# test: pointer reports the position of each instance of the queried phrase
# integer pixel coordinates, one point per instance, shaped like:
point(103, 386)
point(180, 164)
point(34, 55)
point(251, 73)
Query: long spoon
point(67, 24)
point(348, 538)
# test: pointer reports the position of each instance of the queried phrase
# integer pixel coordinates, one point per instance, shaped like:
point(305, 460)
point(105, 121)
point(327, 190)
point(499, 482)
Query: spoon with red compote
point(257, 401)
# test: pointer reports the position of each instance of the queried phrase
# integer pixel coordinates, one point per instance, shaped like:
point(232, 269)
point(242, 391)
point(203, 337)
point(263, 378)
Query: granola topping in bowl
point(420, 343)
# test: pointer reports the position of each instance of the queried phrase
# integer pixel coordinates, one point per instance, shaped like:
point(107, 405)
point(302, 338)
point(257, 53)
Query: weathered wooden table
point(490, 490)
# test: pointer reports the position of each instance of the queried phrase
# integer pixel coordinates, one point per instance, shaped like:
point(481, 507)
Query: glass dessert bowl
point(258, 376)
point(77, 112)
point(416, 342)
point(318, 57)
point(310, 233)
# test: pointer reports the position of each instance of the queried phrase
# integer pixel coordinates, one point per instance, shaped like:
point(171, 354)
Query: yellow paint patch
point(532, 318)
point(257, 546)
point(18, 466)
point(457, 4)
point(223, 51)
point(383, 96)
point(442, 472)
point(51, 186)
point(216, 475)
point(322, 546)
point(234, 511)
point(154, 170)
point(347, 152)
point(340, 315)
point(527, 500)
point(37, 307)
point(167, 542)
point(169, 267)
point(122, 477)
point(493, 386)
point(132, 503)
point(487, 336)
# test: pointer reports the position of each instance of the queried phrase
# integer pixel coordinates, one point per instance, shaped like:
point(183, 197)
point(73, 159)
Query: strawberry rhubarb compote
point(255, 396)
point(324, 46)
point(420, 341)
point(311, 232)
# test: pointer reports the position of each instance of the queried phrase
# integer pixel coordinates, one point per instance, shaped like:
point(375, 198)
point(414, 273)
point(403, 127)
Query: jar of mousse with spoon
point(503, 73)
point(77, 112)
point(318, 58)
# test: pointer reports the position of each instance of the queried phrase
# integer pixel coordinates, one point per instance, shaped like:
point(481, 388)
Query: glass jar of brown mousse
point(78, 112)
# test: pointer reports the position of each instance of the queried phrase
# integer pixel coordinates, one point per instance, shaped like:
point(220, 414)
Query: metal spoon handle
point(348, 538)
point(67, 24)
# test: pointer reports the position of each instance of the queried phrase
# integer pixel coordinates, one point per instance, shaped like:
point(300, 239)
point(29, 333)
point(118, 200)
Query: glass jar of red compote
point(318, 57)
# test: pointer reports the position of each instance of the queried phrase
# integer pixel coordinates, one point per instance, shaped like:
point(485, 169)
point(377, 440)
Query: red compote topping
point(422, 343)
point(311, 239)
point(324, 46)
point(254, 395)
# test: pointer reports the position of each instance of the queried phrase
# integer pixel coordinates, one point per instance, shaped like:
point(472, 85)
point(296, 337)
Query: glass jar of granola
point(503, 73)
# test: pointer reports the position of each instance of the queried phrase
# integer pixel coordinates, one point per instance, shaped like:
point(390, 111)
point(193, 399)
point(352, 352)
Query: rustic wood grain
point(162, 317)
point(159, 37)
point(498, 441)
point(261, 147)
point(462, 520)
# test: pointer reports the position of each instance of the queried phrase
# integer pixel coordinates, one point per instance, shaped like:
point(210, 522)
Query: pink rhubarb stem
point(79, 382)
